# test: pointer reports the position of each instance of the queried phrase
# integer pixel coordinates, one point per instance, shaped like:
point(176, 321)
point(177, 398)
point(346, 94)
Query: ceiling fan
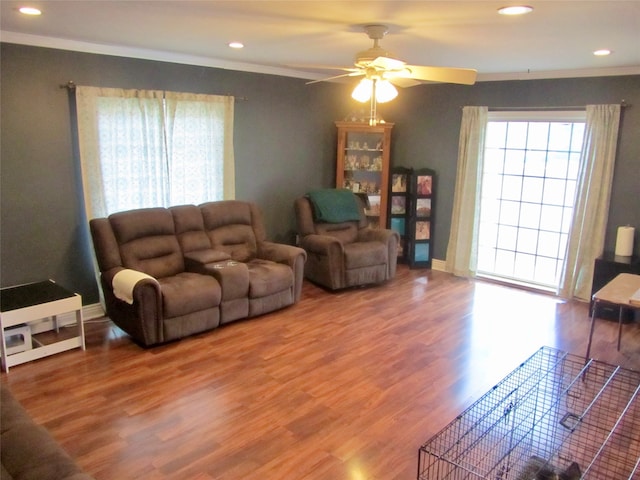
point(376, 63)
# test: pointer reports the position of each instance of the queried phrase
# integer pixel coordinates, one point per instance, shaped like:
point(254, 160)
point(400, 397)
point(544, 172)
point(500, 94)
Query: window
point(530, 172)
point(152, 148)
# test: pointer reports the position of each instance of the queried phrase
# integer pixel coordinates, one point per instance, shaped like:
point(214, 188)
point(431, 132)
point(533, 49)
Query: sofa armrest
point(197, 261)
point(377, 235)
point(126, 280)
point(322, 244)
point(143, 318)
point(28, 449)
point(294, 257)
point(281, 253)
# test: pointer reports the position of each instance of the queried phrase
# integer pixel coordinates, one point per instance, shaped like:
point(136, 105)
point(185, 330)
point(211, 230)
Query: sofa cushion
point(188, 292)
point(345, 232)
point(189, 228)
point(237, 240)
point(148, 241)
point(234, 227)
point(364, 254)
point(267, 278)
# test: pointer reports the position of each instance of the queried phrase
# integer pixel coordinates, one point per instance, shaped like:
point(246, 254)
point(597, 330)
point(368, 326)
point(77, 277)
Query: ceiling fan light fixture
point(515, 10)
point(385, 91)
point(362, 92)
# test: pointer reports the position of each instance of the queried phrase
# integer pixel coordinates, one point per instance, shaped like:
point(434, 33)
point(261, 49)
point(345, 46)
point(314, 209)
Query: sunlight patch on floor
point(507, 327)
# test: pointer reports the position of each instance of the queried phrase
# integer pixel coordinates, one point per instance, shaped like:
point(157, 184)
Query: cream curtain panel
point(462, 249)
point(141, 148)
point(590, 214)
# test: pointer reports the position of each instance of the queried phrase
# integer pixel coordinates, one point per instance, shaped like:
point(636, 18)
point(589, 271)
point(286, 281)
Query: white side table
point(34, 301)
point(617, 292)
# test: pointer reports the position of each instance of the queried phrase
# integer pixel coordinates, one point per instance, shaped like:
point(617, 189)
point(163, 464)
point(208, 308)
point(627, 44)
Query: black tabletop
point(13, 298)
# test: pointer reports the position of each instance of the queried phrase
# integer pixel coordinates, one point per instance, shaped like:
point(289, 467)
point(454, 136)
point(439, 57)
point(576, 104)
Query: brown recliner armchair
point(347, 252)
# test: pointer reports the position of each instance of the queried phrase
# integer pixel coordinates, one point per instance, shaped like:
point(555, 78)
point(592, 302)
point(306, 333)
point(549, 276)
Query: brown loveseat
point(344, 251)
point(171, 272)
point(29, 452)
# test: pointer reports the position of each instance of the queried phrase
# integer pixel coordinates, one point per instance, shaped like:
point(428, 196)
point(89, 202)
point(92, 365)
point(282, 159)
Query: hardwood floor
point(340, 386)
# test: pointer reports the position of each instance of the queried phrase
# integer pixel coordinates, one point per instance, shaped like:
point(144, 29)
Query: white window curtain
point(586, 238)
point(143, 148)
point(463, 237)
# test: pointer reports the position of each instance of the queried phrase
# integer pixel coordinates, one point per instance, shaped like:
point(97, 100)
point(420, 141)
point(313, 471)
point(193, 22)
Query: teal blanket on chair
point(334, 205)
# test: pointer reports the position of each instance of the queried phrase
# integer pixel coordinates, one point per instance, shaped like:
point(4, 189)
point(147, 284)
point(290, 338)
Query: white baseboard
point(89, 312)
point(438, 265)
point(95, 310)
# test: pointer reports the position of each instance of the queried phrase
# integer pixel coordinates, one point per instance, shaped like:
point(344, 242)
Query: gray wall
point(284, 146)
point(428, 127)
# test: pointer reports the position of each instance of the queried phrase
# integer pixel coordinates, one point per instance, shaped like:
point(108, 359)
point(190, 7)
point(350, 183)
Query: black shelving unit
point(399, 206)
point(411, 213)
point(421, 216)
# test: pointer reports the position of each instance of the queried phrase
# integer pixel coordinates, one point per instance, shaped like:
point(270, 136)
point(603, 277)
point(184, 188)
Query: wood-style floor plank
point(343, 385)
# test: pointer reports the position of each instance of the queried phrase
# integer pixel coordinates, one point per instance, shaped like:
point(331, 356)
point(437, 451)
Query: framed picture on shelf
point(398, 204)
point(398, 225)
point(399, 183)
point(424, 184)
point(423, 207)
point(421, 253)
point(422, 230)
point(374, 206)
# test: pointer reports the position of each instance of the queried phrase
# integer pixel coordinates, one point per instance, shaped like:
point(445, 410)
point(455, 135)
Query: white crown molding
point(586, 72)
point(146, 54)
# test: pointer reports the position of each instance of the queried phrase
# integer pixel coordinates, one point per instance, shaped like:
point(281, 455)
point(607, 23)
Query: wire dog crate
point(556, 416)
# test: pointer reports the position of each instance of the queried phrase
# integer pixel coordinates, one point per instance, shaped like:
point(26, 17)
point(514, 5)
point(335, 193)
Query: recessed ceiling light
point(515, 10)
point(236, 44)
point(603, 52)
point(30, 11)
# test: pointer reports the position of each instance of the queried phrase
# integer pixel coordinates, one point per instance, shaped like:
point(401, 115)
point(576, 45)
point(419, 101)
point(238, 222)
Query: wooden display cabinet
point(362, 165)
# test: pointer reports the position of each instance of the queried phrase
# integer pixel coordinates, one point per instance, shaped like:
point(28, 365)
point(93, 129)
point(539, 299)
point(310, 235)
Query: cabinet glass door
point(363, 169)
point(363, 166)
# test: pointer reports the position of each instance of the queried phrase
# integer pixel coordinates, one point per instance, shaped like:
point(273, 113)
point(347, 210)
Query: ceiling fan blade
point(464, 76)
point(307, 66)
point(351, 74)
point(404, 82)
point(387, 63)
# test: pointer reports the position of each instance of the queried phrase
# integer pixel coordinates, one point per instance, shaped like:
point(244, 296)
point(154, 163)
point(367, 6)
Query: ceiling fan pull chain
point(373, 116)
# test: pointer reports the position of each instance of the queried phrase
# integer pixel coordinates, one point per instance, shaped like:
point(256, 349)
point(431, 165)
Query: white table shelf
point(34, 301)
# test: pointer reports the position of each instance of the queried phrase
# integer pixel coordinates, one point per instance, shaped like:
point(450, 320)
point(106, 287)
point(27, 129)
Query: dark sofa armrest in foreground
point(29, 452)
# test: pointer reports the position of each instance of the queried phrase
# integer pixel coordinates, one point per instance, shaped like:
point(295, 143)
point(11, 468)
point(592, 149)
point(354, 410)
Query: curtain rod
point(70, 85)
point(623, 104)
